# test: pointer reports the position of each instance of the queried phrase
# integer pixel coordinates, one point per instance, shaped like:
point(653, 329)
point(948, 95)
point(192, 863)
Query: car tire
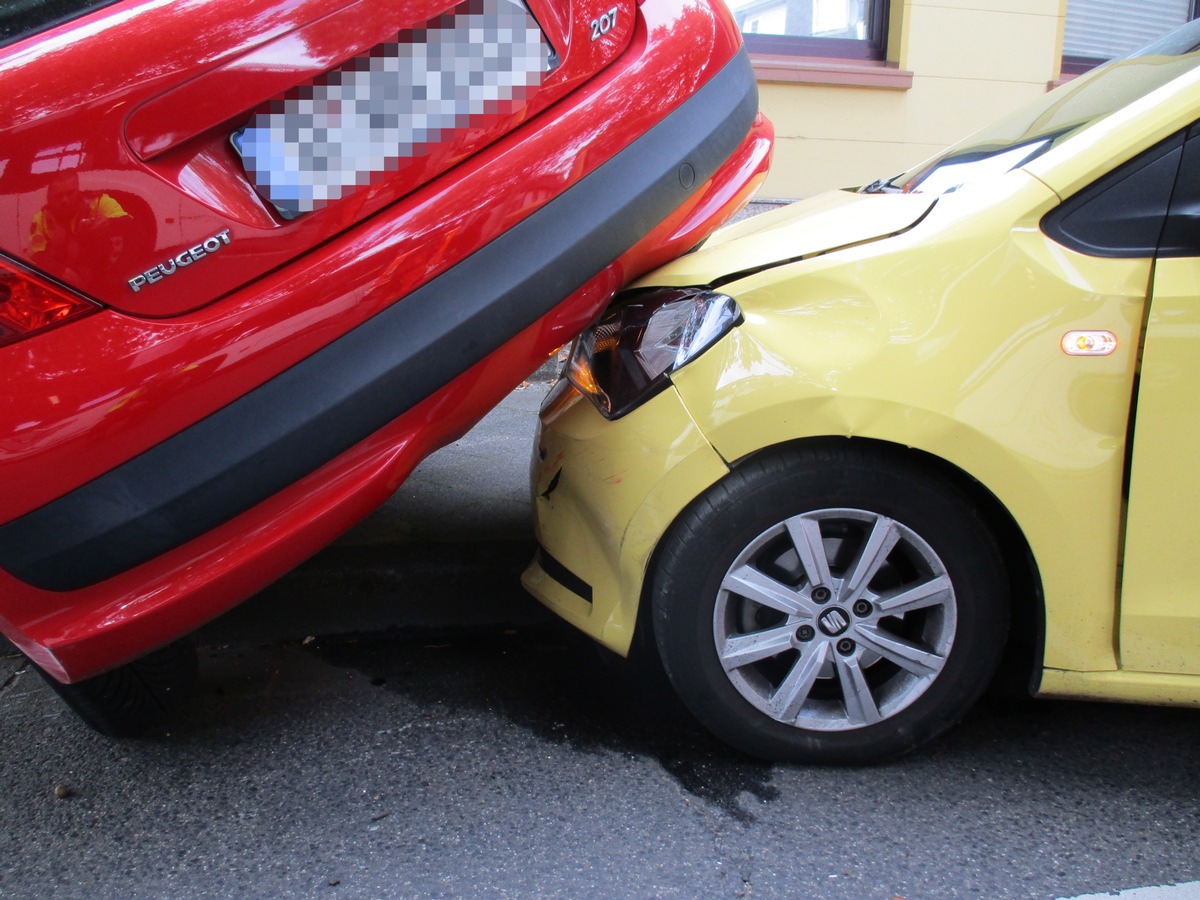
point(890, 651)
point(127, 701)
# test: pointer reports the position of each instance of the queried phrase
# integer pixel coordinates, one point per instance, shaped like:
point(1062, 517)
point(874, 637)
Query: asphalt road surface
point(397, 719)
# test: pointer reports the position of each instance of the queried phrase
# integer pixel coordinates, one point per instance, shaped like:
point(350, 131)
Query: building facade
point(863, 89)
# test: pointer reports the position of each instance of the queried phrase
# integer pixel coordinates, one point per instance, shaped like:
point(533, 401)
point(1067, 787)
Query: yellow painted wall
point(972, 61)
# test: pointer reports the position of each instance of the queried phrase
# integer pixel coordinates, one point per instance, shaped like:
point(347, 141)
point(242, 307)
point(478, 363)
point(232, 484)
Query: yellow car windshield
point(1031, 131)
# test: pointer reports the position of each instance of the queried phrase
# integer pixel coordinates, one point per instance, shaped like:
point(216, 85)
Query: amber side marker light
point(1089, 343)
point(29, 305)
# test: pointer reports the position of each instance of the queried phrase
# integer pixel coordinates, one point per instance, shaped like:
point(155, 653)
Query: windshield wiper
point(881, 186)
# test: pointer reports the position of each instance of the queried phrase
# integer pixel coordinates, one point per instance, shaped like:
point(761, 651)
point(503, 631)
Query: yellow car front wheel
point(838, 602)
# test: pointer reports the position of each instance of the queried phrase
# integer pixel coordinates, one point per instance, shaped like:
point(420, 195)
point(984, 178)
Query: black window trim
point(1113, 240)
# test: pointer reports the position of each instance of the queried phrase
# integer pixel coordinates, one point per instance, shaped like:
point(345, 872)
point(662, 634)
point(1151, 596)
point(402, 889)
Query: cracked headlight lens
point(629, 354)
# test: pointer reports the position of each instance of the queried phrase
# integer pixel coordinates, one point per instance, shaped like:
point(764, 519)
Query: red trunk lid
point(177, 151)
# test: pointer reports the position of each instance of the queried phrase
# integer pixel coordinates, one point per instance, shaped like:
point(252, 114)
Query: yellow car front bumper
point(603, 494)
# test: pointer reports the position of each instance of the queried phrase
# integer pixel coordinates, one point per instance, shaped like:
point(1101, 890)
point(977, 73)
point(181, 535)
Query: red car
point(258, 259)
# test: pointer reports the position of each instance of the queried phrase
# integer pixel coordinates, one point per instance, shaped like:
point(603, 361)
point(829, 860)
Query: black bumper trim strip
point(563, 575)
point(306, 416)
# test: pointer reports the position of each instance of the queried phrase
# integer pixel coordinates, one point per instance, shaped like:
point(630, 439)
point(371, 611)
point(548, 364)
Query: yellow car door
point(1160, 586)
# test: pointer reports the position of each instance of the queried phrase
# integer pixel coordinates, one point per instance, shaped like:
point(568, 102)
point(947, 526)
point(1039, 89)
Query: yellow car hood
point(807, 228)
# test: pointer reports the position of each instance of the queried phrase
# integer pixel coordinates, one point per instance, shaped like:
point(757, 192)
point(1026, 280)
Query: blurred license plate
point(361, 121)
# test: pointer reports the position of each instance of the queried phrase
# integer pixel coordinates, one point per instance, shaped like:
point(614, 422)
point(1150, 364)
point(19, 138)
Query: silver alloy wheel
point(834, 619)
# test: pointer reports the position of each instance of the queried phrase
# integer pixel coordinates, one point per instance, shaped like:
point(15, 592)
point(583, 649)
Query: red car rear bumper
point(176, 495)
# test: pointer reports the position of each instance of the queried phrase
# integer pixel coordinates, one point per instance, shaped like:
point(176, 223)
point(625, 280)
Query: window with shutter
point(1100, 30)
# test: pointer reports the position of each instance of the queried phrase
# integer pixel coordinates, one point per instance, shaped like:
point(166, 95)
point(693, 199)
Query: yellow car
point(839, 462)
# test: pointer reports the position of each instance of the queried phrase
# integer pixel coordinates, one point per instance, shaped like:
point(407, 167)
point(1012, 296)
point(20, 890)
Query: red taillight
point(29, 305)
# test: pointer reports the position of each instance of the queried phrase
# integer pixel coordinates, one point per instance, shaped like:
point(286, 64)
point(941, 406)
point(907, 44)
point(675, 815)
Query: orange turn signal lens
point(1089, 343)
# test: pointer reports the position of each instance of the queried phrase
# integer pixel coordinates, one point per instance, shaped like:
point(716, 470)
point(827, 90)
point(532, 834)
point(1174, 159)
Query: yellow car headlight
point(629, 354)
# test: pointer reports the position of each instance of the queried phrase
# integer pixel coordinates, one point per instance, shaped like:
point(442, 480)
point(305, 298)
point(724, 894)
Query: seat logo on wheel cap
point(833, 622)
